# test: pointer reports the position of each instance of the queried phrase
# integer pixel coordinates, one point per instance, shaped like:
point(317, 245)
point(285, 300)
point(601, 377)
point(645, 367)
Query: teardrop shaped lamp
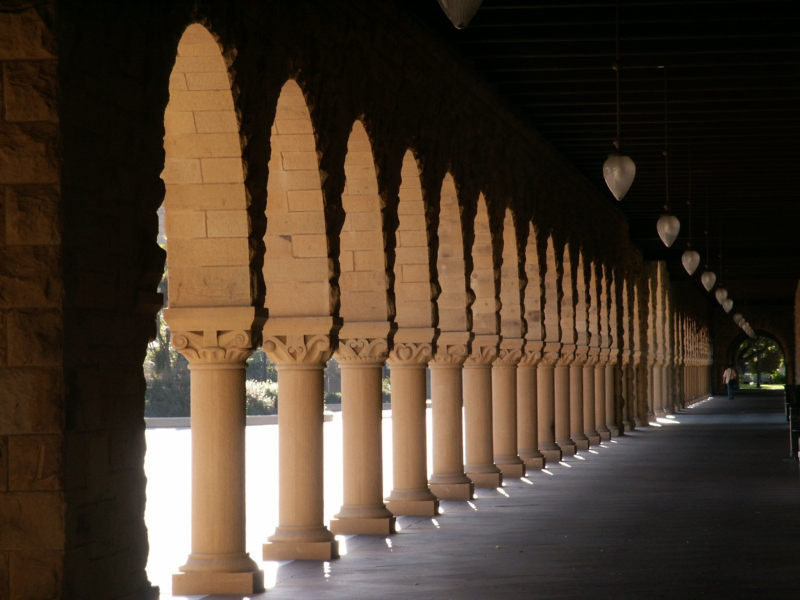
point(619, 171)
point(708, 279)
point(460, 12)
point(690, 260)
point(727, 305)
point(721, 293)
point(668, 227)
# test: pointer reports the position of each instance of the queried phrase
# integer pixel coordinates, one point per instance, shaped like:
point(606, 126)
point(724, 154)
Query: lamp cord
point(618, 69)
point(666, 144)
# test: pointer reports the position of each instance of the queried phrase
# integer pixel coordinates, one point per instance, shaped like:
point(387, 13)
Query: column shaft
point(504, 420)
point(576, 407)
point(611, 400)
point(527, 428)
point(600, 402)
point(545, 401)
point(561, 391)
point(479, 467)
point(588, 405)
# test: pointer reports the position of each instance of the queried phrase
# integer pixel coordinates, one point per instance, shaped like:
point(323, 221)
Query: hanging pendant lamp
point(727, 305)
point(460, 12)
point(738, 318)
point(619, 170)
point(721, 294)
point(691, 260)
point(668, 226)
point(708, 279)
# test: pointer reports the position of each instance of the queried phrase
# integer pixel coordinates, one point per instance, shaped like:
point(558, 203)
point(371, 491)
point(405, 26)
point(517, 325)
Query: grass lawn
point(764, 386)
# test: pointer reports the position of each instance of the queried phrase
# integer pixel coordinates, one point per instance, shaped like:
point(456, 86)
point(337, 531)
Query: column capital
point(363, 342)
point(410, 353)
point(551, 354)
point(566, 355)
point(211, 335)
point(484, 350)
point(510, 352)
point(531, 353)
point(298, 348)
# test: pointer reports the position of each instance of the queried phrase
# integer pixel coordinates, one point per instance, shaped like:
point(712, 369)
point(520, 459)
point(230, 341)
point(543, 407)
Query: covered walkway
point(705, 507)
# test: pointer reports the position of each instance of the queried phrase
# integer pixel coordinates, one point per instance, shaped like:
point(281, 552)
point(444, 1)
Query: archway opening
point(761, 363)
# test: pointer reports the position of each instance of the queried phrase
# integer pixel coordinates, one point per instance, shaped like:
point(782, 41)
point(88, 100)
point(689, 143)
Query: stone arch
point(605, 306)
point(363, 280)
point(413, 291)
point(512, 324)
point(454, 302)
point(205, 219)
point(485, 308)
point(593, 323)
point(581, 302)
point(296, 268)
point(534, 288)
point(552, 300)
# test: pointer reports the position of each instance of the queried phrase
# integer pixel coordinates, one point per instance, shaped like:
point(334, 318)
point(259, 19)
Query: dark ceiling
point(732, 95)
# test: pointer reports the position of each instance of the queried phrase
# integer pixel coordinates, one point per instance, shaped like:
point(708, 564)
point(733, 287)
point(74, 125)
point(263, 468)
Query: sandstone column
point(576, 426)
point(504, 408)
point(627, 392)
point(611, 397)
point(545, 400)
point(217, 342)
point(300, 359)
point(480, 467)
point(410, 494)
point(562, 400)
point(361, 354)
point(600, 395)
point(588, 396)
point(527, 427)
point(448, 479)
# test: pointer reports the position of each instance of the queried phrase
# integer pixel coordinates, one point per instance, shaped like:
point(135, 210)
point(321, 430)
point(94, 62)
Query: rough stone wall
point(31, 316)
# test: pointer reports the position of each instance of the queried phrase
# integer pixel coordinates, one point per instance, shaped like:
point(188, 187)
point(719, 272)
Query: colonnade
point(537, 348)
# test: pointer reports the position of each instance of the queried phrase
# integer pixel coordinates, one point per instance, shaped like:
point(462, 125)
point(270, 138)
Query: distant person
point(729, 378)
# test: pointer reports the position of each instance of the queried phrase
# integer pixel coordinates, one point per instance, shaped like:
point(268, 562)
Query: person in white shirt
point(729, 377)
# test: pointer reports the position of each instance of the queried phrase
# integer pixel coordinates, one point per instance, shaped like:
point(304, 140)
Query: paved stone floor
point(705, 506)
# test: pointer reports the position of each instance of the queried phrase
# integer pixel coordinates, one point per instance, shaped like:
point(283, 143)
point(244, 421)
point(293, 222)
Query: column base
point(628, 426)
point(453, 491)
point(660, 413)
point(363, 525)
point(551, 455)
point(582, 444)
point(613, 430)
point(301, 550)
point(216, 582)
point(486, 480)
point(593, 437)
point(604, 435)
point(534, 462)
point(512, 469)
point(415, 508)
point(568, 448)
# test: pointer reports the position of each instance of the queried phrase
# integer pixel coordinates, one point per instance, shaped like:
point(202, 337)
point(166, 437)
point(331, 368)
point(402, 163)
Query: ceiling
point(731, 70)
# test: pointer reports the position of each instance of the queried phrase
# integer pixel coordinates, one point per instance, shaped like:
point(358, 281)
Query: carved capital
point(508, 357)
point(481, 355)
point(209, 347)
point(566, 355)
point(362, 350)
point(410, 353)
point(551, 354)
point(298, 348)
point(530, 358)
point(450, 354)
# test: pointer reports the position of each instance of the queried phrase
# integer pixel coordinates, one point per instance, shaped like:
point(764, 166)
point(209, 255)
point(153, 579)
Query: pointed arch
point(205, 215)
point(412, 270)
point(534, 288)
point(581, 303)
point(511, 322)
point(605, 330)
point(482, 279)
point(453, 303)
point(296, 266)
point(594, 305)
point(363, 282)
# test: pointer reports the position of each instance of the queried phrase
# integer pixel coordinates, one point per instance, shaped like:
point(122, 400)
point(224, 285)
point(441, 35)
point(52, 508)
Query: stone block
point(410, 201)
point(189, 63)
point(227, 223)
point(30, 91)
point(298, 161)
point(369, 260)
point(201, 100)
point(216, 121)
point(362, 281)
point(185, 224)
point(209, 286)
point(310, 246)
point(182, 170)
point(34, 462)
point(359, 187)
point(217, 80)
point(178, 122)
point(35, 575)
point(32, 521)
point(220, 196)
point(28, 153)
point(413, 223)
point(200, 145)
point(294, 126)
point(177, 82)
point(295, 180)
point(415, 273)
point(363, 306)
point(412, 255)
point(208, 252)
point(282, 142)
point(298, 299)
point(25, 35)
point(306, 201)
point(32, 216)
point(31, 401)
point(34, 338)
point(222, 170)
point(300, 270)
point(294, 224)
point(365, 221)
point(359, 240)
